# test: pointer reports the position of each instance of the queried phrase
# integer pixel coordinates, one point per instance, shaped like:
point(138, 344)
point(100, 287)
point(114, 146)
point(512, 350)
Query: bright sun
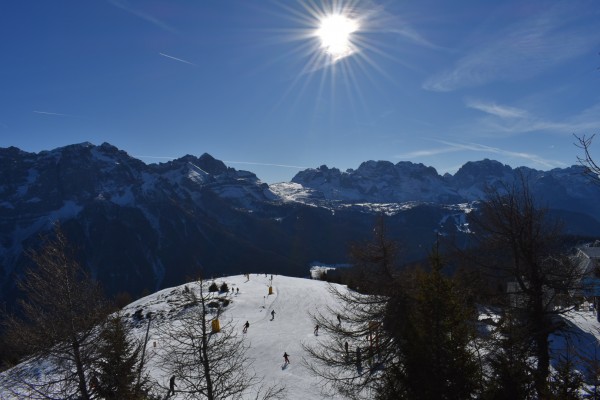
point(335, 32)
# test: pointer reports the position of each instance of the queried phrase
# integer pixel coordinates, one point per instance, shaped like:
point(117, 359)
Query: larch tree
point(208, 364)
point(57, 329)
point(521, 244)
point(400, 332)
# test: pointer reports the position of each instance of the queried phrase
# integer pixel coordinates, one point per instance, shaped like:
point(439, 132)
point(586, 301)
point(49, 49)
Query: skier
point(339, 318)
point(316, 330)
point(285, 358)
point(237, 290)
point(272, 315)
point(346, 347)
point(171, 386)
point(246, 326)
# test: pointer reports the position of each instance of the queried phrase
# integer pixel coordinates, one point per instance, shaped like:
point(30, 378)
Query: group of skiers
point(286, 359)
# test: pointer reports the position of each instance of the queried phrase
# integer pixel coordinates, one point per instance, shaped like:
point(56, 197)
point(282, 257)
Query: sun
point(336, 35)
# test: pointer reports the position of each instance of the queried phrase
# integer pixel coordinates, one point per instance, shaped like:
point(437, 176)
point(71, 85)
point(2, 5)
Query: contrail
point(52, 113)
point(177, 59)
point(161, 157)
point(232, 162)
point(266, 164)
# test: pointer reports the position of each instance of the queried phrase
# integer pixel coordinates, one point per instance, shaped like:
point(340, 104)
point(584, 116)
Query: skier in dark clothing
point(317, 330)
point(171, 386)
point(285, 358)
point(246, 326)
point(346, 347)
point(339, 318)
point(272, 315)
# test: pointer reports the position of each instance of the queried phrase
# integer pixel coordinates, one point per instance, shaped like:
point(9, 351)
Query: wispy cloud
point(481, 148)
point(53, 113)
point(413, 36)
point(124, 5)
point(177, 59)
point(453, 147)
point(496, 109)
point(428, 152)
point(514, 121)
point(523, 50)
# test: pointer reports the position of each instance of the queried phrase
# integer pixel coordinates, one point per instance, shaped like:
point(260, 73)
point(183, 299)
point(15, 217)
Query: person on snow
point(246, 326)
point(272, 315)
point(316, 330)
point(171, 386)
point(346, 347)
point(286, 360)
point(339, 318)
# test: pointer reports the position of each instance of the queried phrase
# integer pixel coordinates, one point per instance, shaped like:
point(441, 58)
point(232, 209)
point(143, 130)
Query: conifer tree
point(510, 375)
point(117, 366)
point(566, 382)
point(434, 338)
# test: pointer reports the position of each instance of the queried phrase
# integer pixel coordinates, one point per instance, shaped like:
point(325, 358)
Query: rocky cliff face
point(384, 182)
point(138, 226)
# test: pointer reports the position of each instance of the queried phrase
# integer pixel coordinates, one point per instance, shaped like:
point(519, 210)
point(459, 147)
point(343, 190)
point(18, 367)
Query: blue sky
point(249, 81)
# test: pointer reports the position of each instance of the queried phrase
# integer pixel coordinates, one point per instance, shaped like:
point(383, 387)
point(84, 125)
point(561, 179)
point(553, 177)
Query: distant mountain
point(143, 227)
point(383, 182)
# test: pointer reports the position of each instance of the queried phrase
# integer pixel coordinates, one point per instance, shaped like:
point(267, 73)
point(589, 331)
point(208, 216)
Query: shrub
point(213, 287)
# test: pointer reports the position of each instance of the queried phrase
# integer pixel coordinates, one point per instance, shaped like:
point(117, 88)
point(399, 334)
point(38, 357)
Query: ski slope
point(293, 300)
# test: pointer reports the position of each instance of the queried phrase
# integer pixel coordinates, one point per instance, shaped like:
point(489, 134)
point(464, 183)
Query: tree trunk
point(80, 373)
point(205, 363)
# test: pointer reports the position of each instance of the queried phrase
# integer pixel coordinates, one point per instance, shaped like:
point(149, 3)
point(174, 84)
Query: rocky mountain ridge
point(143, 227)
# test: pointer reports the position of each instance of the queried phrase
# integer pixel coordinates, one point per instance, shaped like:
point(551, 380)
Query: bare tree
point(586, 160)
point(61, 309)
point(409, 341)
point(521, 244)
point(206, 364)
point(358, 344)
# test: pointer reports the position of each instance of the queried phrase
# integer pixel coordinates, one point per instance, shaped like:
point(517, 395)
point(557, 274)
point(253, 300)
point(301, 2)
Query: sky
point(273, 88)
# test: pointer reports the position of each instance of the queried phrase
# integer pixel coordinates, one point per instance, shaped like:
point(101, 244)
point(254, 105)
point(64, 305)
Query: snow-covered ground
point(292, 300)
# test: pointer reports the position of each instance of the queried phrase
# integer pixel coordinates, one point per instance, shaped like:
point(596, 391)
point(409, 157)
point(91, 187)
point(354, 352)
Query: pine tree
point(509, 374)
point(434, 338)
point(566, 382)
point(117, 367)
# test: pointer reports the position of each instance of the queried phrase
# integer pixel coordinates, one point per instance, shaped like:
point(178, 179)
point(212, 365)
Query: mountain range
point(142, 227)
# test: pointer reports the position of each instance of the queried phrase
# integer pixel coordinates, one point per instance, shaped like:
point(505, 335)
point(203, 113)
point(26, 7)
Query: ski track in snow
point(292, 299)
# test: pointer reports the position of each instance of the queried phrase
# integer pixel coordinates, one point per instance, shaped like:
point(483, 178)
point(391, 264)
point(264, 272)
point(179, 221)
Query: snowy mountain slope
point(144, 227)
point(293, 299)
